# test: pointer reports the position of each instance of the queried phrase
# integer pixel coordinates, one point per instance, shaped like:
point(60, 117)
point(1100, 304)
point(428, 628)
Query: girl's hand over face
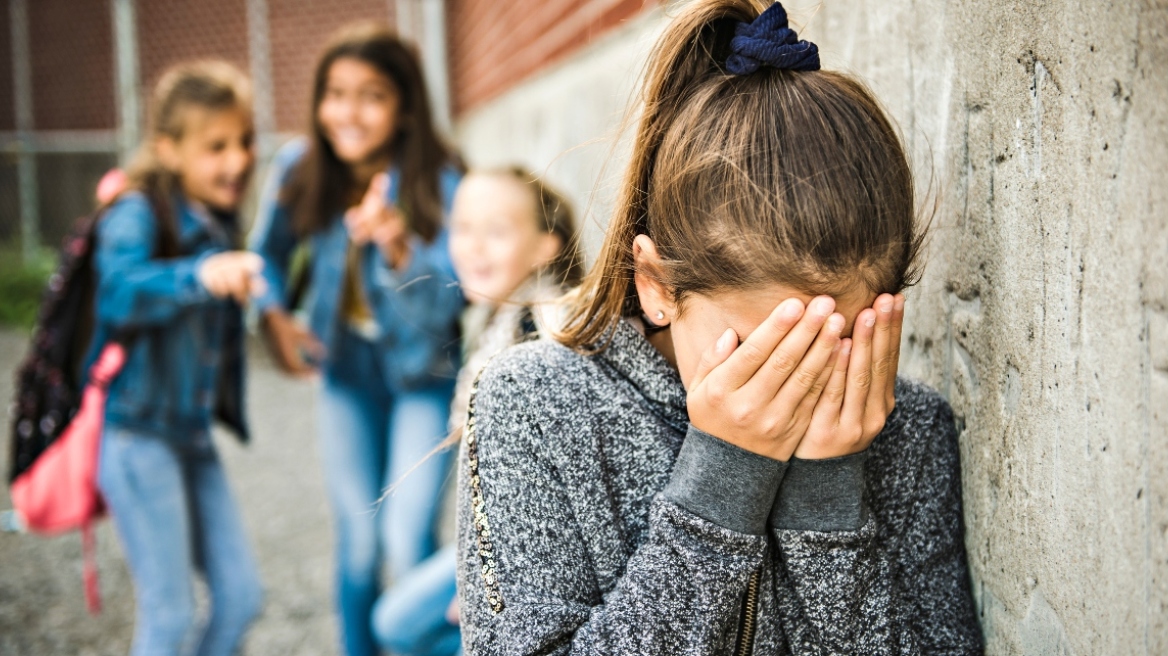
point(760, 395)
point(232, 274)
point(374, 220)
point(860, 393)
point(289, 342)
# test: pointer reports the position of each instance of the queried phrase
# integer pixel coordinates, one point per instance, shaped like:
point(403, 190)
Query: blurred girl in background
point(514, 246)
point(170, 286)
point(368, 191)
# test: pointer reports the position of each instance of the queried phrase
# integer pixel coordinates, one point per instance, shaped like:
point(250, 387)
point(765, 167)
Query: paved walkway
point(278, 483)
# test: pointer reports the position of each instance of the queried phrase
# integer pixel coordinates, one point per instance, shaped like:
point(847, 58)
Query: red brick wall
point(170, 31)
point(71, 43)
point(496, 43)
point(298, 30)
point(7, 107)
point(493, 45)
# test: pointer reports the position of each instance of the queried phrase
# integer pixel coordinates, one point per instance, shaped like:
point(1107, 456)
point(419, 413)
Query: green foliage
point(22, 283)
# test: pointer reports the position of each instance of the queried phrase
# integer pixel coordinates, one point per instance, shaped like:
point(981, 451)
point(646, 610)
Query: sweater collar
point(636, 360)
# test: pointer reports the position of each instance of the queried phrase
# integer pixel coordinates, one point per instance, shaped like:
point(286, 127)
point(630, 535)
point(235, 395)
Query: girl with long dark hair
point(367, 192)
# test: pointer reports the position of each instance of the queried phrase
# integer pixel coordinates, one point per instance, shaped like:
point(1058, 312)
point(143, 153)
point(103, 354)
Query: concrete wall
point(1043, 316)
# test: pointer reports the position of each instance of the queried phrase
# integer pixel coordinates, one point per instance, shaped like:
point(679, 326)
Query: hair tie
point(768, 41)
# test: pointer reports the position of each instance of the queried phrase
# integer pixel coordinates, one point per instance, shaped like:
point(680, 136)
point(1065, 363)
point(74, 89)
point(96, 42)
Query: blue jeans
point(372, 438)
point(175, 515)
point(411, 619)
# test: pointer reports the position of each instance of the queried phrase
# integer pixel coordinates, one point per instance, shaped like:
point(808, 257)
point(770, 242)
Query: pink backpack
point(58, 493)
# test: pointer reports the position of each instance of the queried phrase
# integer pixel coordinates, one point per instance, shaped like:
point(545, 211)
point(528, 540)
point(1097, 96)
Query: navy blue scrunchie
point(767, 41)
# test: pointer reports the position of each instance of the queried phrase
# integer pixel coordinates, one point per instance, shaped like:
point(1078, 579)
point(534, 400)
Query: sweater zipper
point(749, 615)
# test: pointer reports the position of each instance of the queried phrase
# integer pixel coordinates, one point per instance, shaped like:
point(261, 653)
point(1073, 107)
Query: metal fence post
point(259, 51)
point(126, 76)
point(26, 167)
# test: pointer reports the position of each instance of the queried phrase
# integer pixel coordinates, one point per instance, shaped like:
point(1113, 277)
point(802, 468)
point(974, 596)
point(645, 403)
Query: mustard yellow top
point(355, 308)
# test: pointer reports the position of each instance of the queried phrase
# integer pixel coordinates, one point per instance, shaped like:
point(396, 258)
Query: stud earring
point(654, 324)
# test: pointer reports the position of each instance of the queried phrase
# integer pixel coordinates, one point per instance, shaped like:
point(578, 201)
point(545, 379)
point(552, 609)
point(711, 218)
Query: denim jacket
point(185, 361)
point(416, 310)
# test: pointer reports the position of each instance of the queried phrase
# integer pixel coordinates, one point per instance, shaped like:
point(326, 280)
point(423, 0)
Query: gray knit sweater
point(594, 520)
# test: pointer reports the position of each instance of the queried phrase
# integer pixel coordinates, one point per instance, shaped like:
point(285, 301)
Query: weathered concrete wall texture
point(1044, 300)
point(1043, 314)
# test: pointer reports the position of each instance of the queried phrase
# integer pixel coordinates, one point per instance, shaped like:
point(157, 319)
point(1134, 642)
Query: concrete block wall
point(1042, 129)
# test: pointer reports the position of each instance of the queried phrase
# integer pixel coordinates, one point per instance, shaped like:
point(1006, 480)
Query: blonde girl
point(171, 285)
point(514, 245)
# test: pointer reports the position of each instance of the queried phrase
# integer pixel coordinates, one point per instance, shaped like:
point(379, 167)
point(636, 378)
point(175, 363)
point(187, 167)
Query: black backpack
point(50, 378)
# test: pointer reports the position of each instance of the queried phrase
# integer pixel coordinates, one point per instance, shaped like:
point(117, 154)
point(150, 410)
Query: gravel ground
point(278, 483)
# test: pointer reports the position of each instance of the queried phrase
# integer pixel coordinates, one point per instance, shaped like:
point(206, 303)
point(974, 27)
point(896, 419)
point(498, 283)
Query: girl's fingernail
point(790, 308)
point(899, 303)
point(846, 347)
point(822, 306)
point(870, 320)
point(835, 324)
point(724, 340)
point(886, 306)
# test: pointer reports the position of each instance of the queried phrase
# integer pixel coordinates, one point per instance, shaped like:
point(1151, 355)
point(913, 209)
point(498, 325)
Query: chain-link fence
point(75, 76)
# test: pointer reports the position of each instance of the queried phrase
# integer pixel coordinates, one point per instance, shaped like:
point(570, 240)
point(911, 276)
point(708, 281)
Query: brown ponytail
point(777, 177)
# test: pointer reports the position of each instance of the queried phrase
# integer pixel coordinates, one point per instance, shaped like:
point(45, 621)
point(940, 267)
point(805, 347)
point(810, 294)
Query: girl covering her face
point(717, 455)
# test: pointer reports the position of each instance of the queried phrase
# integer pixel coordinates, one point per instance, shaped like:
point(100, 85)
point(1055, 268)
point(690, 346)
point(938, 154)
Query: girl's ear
point(656, 300)
point(548, 249)
point(166, 149)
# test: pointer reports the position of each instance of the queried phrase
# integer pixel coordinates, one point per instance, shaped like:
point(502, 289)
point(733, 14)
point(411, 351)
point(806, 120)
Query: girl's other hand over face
point(232, 274)
point(860, 393)
point(289, 343)
point(760, 394)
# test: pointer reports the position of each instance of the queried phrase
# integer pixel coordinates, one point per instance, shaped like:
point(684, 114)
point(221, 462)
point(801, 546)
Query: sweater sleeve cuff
point(822, 495)
point(723, 483)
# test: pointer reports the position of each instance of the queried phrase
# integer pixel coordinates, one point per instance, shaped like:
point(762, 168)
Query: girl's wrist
point(396, 253)
point(274, 315)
